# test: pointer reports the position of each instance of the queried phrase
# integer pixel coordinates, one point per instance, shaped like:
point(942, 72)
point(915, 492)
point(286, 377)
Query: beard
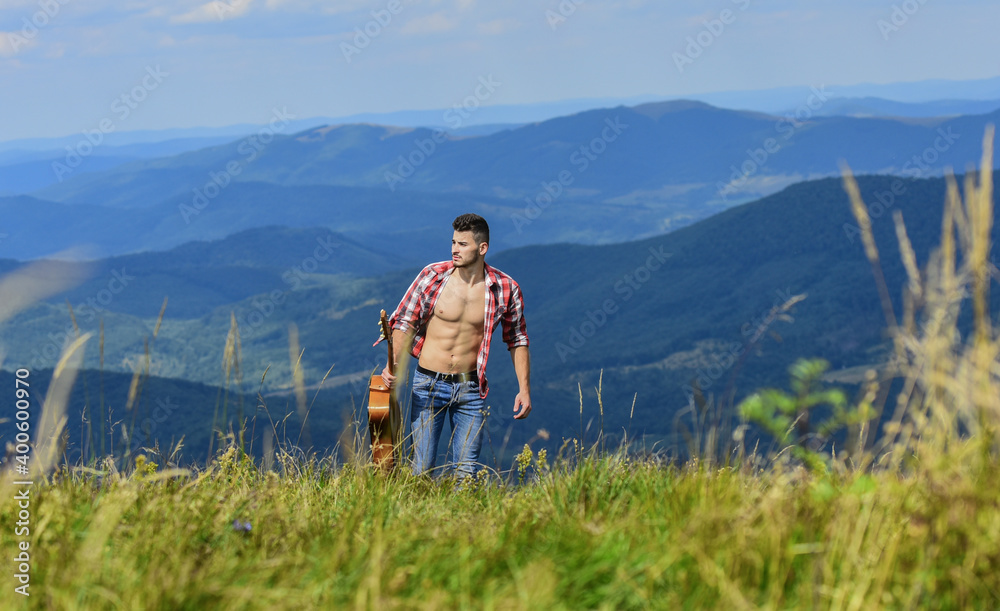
point(467, 261)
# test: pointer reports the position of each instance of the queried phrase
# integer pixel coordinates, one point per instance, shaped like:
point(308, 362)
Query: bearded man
point(448, 316)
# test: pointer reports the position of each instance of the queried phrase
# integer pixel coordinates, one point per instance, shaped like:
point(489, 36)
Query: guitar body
point(384, 417)
point(381, 407)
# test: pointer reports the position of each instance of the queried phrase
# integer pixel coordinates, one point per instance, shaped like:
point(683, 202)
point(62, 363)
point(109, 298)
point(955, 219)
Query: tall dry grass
point(946, 417)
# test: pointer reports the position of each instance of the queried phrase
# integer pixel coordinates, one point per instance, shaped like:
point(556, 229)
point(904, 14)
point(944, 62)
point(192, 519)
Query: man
point(448, 315)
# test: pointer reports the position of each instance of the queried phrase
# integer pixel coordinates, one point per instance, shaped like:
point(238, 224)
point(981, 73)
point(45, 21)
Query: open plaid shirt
point(504, 304)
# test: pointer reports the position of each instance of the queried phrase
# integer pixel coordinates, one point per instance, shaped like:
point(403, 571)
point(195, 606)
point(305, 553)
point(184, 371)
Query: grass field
point(604, 532)
point(904, 517)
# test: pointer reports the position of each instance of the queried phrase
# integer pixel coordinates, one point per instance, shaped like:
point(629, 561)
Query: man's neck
point(472, 273)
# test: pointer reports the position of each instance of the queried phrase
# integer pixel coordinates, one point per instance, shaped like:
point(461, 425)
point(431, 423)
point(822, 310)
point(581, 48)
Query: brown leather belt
point(468, 376)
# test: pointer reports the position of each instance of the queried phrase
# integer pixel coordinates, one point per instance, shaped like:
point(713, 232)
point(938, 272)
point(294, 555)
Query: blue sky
point(65, 65)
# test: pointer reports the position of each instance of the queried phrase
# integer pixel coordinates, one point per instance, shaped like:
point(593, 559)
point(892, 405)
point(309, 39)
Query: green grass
point(601, 532)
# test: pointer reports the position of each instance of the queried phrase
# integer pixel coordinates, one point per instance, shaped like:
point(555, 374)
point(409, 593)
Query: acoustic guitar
point(383, 412)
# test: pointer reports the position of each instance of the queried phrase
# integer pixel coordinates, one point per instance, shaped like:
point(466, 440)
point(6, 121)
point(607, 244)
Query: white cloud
point(430, 24)
point(12, 43)
point(497, 26)
point(324, 7)
point(6, 47)
point(217, 10)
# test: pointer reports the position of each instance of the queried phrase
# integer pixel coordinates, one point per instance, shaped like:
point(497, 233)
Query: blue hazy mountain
point(599, 176)
point(880, 107)
point(608, 154)
point(49, 161)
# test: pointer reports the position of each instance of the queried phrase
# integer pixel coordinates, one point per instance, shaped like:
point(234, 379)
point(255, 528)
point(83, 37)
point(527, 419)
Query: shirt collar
point(491, 275)
point(491, 278)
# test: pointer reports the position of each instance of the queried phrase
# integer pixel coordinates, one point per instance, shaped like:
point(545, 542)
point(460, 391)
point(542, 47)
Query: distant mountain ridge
point(771, 101)
point(621, 151)
point(904, 100)
point(599, 176)
point(880, 107)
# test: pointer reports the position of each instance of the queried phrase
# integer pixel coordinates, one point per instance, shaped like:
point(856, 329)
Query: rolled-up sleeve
point(411, 307)
point(515, 329)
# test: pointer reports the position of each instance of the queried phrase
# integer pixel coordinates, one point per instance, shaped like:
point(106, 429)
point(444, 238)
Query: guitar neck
point(387, 332)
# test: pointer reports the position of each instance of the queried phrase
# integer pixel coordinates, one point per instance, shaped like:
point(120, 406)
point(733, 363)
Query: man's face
point(464, 250)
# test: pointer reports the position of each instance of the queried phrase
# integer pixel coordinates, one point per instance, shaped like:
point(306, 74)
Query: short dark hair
point(476, 224)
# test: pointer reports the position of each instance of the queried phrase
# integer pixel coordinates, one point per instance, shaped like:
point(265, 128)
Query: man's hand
point(522, 367)
point(387, 378)
point(401, 342)
point(522, 405)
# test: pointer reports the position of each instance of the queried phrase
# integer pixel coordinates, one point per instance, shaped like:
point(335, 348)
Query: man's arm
point(515, 335)
point(522, 367)
point(404, 321)
point(401, 341)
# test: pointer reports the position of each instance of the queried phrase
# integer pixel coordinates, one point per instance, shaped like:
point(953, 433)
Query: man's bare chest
point(460, 303)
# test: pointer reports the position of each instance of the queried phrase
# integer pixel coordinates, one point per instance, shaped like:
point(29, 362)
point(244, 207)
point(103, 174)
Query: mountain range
point(644, 320)
point(653, 244)
point(600, 176)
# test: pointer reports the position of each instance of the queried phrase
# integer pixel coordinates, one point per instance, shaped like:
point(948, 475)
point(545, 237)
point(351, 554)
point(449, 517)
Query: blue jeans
point(433, 400)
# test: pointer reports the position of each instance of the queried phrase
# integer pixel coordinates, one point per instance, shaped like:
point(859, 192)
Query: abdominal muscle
point(454, 334)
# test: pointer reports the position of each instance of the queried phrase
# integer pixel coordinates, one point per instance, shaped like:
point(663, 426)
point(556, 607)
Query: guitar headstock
point(385, 333)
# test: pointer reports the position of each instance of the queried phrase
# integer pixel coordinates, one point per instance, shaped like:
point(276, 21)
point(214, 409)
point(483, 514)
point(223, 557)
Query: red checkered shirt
point(504, 305)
